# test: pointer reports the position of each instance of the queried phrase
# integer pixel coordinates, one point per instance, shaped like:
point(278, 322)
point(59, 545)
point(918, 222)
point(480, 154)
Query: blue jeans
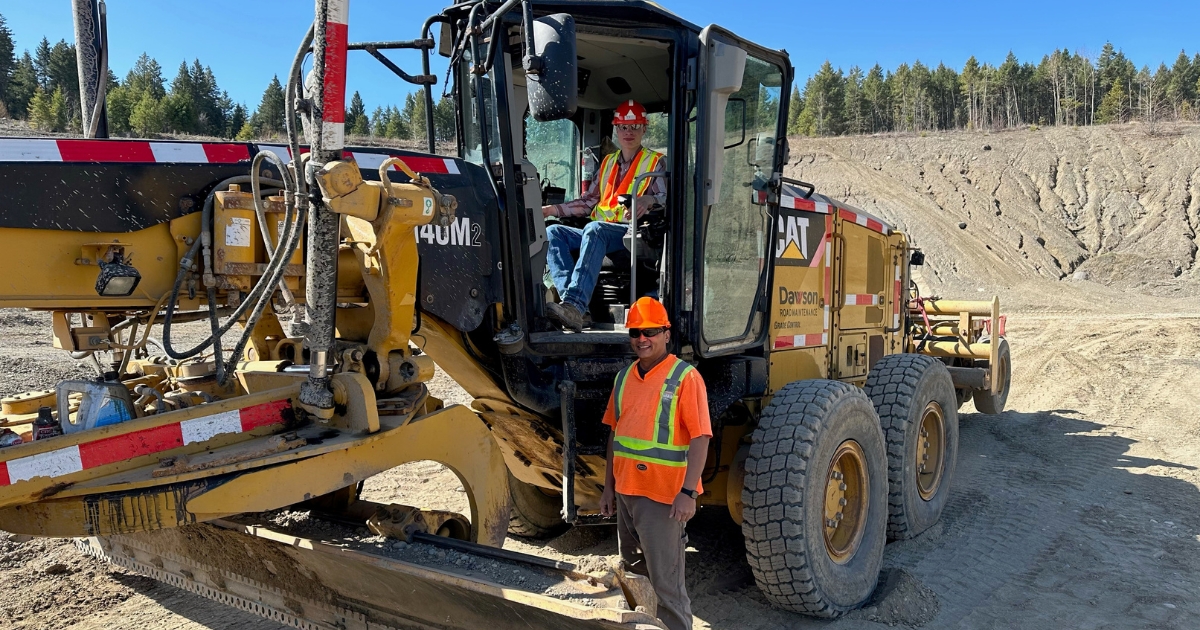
point(575, 280)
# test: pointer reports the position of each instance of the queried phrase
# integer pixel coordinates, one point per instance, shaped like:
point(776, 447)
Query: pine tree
point(41, 116)
point(356, 115)
point(63, 72)
point(824, 102)
point(180, 104)
point(41, 61)
point(876, 100)
point(1113, 106)
point(443, 120)
point(235, 122)
point(146, 76)
point(396, 125)
point(120, 101)
point(149, 116)
point(59, 110)
point(1181, 86)
point(246, 132)
point(414, 116)
point(7, 60)
point(269, 117)
point(21, 87)
point(795, 106)
point(853, 105)
point(379, 122)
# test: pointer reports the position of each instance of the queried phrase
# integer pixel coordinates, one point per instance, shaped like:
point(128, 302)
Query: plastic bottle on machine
point(101, 403)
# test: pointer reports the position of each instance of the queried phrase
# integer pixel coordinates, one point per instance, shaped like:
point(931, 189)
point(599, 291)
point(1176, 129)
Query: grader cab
point(833, 387)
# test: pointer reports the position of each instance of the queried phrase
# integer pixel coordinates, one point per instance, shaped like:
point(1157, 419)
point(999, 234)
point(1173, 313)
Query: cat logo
point(799, 237)
point(792, 241)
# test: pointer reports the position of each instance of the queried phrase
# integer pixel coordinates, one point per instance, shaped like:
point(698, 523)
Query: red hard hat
point(630, 112)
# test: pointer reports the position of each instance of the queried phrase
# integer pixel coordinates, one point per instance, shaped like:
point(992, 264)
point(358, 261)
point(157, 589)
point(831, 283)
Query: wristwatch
point(691, 493)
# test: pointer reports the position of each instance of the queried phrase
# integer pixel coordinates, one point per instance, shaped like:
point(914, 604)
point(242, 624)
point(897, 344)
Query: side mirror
point(553, 80)
point(917, 258)
point(724, 65)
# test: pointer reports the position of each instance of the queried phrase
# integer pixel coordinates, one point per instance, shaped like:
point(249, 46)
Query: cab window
point(553, 148)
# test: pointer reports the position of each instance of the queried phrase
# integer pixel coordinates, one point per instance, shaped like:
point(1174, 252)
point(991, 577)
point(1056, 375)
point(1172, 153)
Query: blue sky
point(246, 41)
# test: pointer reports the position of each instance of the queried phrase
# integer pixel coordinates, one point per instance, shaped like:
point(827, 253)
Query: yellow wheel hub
point(846, 501)
point(931, 450)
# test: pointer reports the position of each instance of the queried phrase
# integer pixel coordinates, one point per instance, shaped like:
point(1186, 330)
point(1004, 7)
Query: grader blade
point(319, 586)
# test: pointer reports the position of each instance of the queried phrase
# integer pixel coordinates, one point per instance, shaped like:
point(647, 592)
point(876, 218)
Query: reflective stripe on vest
point(661, 450)
point(608, 209)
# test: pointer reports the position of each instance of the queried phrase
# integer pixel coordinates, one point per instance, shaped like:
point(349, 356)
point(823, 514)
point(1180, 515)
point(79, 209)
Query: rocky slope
point(1031, 214)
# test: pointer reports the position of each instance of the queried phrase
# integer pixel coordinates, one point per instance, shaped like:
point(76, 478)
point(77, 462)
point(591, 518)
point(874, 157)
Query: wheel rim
point(931, 450)
point(846, 501)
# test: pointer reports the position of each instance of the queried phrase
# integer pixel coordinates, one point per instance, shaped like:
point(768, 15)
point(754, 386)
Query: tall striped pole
point(329, 70)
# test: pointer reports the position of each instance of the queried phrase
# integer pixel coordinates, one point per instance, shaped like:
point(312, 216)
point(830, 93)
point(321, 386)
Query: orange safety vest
point(660, 449)
point(608, 209)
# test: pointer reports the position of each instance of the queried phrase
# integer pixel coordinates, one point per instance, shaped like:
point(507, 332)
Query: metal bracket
point(420, 79)
point(566, 391)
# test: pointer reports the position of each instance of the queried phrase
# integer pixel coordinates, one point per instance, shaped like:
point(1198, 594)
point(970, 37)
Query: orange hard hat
point(647, 312)
point(630, 112)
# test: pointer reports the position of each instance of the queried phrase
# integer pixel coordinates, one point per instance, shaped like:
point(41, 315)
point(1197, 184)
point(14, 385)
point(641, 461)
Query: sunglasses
point(648, 333)
point(630, 127)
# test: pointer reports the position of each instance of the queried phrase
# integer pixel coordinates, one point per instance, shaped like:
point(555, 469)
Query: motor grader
point(329, 280)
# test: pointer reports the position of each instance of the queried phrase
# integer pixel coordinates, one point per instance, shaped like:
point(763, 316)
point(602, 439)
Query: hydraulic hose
point(185, 266)
point(289, 239)
point(255, 187)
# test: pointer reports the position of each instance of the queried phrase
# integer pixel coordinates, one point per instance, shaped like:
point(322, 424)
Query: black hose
point(185, 265)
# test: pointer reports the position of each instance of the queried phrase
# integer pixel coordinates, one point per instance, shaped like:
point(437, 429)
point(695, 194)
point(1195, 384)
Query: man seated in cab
point(576, 279)
point(657, 449)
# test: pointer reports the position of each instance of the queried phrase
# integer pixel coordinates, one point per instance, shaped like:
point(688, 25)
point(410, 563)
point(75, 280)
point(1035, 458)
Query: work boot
point(566, 315)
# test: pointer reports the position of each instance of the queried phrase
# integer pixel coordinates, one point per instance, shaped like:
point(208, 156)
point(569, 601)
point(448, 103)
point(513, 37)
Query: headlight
point(117, 278)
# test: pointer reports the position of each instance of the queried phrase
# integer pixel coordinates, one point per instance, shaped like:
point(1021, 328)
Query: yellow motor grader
point(329, 280)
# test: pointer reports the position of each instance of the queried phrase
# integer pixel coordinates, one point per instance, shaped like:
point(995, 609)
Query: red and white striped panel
point(372, 161)
point(109, 450)
point(126, 151)
point(799, 203)
point(861, 299)
point(430, 164)
point(865, 220)
point(333, 105)
point(802, 341)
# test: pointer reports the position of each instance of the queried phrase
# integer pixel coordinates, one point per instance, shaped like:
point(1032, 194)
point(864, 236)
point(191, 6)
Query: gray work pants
point(653, 543)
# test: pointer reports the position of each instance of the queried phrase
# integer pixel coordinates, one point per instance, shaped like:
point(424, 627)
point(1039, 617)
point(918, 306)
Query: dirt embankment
point(1048, 217)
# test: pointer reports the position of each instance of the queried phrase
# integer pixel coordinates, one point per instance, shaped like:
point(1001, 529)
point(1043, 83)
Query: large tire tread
point(773, 522)
point(893, 386)
point(532, 513)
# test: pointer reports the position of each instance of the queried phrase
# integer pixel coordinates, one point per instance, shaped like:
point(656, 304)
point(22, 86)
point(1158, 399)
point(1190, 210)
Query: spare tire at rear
point(815, 498)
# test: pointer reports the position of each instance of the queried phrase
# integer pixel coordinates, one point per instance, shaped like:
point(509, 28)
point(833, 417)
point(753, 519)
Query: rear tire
point(532, 512)
point(812, 432)
point(987, 402)
point(918, 410)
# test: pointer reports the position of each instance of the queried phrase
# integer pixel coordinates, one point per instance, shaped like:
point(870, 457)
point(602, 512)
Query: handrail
point(633, 230)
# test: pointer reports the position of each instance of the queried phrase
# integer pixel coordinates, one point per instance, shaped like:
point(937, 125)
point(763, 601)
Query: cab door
point(743, 93)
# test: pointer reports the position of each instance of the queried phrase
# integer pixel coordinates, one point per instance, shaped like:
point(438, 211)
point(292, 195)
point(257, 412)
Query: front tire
point(532, 512)
point(918, 410)
point(815, 498)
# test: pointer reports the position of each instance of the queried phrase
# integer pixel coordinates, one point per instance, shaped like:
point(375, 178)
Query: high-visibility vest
point(662, 449)
point(608, 209)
